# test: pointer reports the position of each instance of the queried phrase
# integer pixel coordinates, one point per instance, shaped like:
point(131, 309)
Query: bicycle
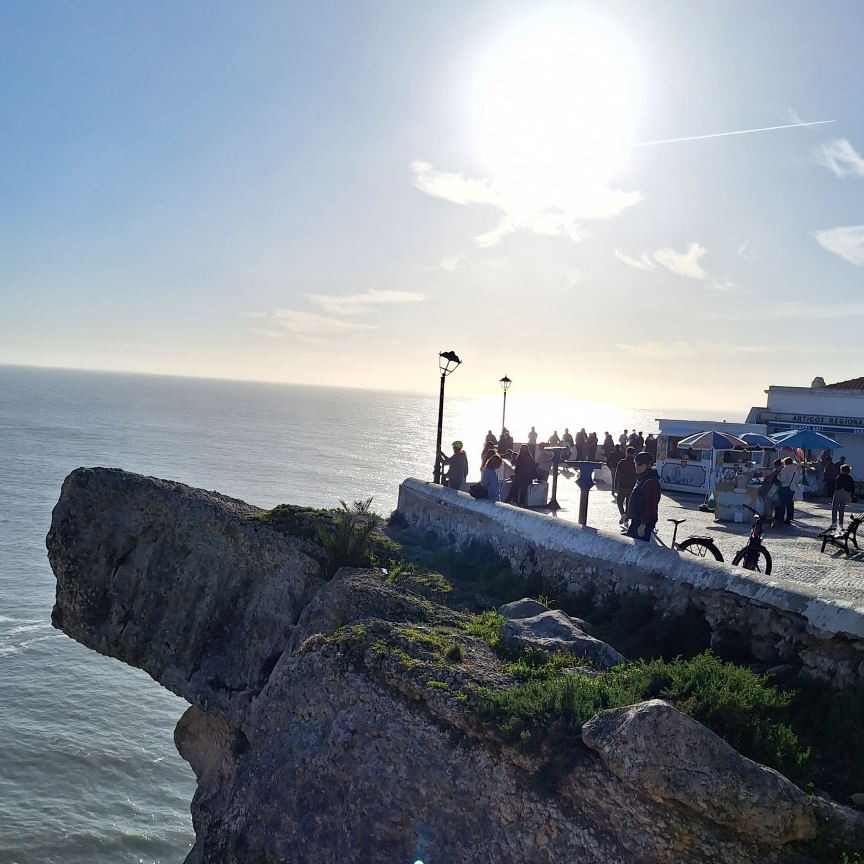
point(754, 556)
point(701, 547)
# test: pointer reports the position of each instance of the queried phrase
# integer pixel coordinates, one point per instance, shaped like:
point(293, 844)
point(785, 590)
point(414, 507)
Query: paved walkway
point(794, 548)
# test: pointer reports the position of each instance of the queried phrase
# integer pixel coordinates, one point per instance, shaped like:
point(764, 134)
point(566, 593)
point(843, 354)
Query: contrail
point(739, 132)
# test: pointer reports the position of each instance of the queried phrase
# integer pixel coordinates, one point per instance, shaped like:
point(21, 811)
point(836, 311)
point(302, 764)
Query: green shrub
point(738, 705)
point(454, 653)
point(346, 543)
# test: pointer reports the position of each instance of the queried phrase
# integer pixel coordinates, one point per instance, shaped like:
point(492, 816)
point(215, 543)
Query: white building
point(834, 409)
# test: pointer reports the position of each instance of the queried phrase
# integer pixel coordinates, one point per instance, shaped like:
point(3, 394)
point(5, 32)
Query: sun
point(554, 112)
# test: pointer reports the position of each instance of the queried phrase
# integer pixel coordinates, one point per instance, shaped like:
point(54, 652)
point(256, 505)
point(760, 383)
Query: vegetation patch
point(740, 706)
point(806, 730)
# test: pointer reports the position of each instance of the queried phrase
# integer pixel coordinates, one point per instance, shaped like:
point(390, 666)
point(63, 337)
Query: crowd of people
point(635, 483)
point(777, 492)
point(509, 468)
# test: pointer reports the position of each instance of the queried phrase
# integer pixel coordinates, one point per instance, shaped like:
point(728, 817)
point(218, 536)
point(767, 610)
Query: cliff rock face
point(326, 724)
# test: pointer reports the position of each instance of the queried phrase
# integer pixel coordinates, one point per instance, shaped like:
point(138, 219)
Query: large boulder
point(672, 756)
point(182, 583)
point(553, 630)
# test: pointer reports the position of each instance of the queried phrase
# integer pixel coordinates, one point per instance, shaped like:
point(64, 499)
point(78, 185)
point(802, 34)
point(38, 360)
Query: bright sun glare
point(554, 117)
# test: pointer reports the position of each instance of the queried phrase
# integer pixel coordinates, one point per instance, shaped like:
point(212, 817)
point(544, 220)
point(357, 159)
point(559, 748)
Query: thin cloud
point(551, 219)
point(451, 264)
point(453, 187)
point(643, 262)
point(809, 311)
point(683, 263)
point(744, 251)
point(658, 349)
point(270, 334)
point(790, 311)
point(307, 324)
point(352, 304)
point(663, 350)
point(840, 157)
point(724, 285)
point(846, 242)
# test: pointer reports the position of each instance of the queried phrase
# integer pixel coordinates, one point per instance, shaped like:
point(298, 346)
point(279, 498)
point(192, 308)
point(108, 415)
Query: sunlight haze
point(612, 201)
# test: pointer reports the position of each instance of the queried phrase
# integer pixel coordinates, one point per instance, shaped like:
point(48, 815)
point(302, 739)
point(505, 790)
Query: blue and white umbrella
point(804, 439)
point(758, 441)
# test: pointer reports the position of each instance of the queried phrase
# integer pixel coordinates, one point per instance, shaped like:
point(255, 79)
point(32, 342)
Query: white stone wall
point(781, 625)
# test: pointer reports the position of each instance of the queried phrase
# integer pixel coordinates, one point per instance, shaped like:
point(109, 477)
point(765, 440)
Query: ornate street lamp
point(505, 383)
point(447, 363)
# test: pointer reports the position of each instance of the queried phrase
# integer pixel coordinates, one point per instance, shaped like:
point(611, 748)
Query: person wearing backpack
point(644, 499)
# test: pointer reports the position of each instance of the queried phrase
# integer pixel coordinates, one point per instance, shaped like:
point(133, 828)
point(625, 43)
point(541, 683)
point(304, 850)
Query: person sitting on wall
point(458, 463)
point(644, 499)
point(489, 478)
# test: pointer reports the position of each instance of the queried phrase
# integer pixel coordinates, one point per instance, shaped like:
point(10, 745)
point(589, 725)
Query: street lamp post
point(447, 363)
point(505, 383)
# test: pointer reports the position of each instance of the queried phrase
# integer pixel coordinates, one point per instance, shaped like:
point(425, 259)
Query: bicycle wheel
point(701, 547)
point(763, 560)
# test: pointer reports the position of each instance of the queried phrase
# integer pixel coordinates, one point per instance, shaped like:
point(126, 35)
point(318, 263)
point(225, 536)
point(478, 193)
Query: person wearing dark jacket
point(842, 495)
point(644, 499)
point(524, 472)
point(458, 466)
point(625, 478)
point(613, 457)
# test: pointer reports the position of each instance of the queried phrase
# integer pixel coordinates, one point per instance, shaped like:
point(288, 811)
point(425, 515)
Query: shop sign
point(816, 422)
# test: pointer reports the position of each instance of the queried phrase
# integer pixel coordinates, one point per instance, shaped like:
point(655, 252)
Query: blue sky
point(332, 193)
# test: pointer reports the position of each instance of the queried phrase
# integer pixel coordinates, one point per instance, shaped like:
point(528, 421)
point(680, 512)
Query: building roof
point(852, 384)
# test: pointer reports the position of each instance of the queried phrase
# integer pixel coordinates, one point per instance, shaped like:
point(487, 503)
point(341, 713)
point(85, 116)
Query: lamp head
point(505, 383)
point(447, 362)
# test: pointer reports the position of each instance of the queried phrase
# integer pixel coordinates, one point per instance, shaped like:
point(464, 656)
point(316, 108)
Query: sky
point(332, 193)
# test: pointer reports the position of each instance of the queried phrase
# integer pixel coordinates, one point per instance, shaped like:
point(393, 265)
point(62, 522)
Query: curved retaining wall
point(783, 623)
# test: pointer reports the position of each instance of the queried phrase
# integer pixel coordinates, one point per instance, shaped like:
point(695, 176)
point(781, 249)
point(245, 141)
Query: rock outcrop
point(335, 720)
point(552, 631)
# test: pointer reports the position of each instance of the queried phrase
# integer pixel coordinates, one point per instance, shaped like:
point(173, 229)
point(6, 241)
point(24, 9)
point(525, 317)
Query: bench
point(842, 538)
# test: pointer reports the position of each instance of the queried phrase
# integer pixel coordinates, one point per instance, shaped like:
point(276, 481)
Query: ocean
point(89, 772)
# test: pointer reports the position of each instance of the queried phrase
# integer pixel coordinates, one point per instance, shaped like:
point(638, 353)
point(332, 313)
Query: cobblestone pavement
point(794, 548)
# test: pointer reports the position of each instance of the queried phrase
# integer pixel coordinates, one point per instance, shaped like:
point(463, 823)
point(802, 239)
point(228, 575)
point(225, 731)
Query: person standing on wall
point(644, 498)
point(458, 463)
point(625, 479)
point(532, 442)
